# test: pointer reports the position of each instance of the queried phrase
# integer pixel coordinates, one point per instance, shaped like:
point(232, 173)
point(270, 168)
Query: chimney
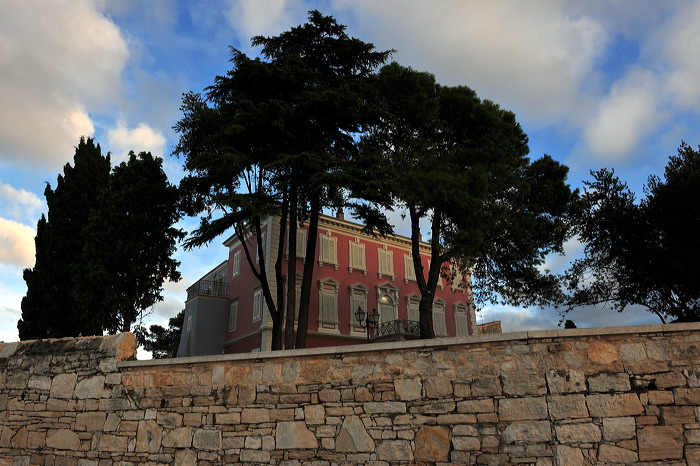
point(340, 214)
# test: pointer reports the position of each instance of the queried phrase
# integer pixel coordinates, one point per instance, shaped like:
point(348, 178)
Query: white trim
point(385, 261)
point(257, 304)
point(233, 316)
point(236, 271)
point(358, 260)
point(328, 250)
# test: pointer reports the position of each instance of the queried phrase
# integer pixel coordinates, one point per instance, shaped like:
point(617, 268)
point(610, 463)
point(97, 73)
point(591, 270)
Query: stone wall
point(561, 397)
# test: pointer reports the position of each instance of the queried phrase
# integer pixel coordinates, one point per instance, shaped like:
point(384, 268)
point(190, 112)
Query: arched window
point(387, 301)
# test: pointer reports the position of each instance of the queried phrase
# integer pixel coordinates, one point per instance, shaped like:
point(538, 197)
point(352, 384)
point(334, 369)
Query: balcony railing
point(207, 288)
point(397, 327)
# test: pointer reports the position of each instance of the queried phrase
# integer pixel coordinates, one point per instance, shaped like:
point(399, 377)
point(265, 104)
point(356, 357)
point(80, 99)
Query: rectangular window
point(329, 304)
point(327, 250)
point(461, 323)
point(237, 263)
point(409, 267)
point(386, 262)
point(439, 324)
point(189, 323)
point(414, 311)
point(301, 243)
point(357, 256)
point(264, 246)
point(257, 304)
point(233, 316)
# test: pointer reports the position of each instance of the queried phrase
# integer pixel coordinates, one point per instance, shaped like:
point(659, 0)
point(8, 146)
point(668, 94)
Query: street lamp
point(365, 320)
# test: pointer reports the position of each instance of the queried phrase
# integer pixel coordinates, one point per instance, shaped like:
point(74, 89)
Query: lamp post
point(367, 321)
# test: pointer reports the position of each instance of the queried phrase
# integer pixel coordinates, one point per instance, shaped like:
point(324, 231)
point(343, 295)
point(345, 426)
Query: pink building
point(226, 312)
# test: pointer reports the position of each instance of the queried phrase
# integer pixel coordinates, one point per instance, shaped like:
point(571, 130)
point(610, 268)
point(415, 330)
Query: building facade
point(351, 271)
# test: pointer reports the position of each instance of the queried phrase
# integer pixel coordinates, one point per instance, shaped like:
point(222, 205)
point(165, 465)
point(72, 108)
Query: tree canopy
point(461, 163)
point(641, 253)
point(104, 251)
point(276, 135)
point(162, 342)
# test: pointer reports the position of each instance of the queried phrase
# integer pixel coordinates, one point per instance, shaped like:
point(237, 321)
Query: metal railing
point(207, 288)
point(397, 327)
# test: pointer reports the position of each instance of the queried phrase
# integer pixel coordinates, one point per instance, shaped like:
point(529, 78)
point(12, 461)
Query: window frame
point(355, 244)
point(324, 253)
point(257, 304)
point(233, 312)
point(381, 264)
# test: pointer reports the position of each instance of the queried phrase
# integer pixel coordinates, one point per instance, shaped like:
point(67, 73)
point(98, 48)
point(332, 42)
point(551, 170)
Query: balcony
point(216, 289)
point(396, 330)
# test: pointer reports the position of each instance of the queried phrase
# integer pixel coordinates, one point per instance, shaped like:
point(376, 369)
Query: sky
point(594, 84)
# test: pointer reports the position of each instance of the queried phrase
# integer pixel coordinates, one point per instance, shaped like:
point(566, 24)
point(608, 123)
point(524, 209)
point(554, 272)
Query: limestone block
point(669, 379)
point(314, 414)
point(677, 415)
point(603, 383)
point(660, 397)
point(658, 350)
point(406, 389)
point(385, 407)
point(112, 422)
point(566, 380)
point(178, 438)
point(618, 428)
point(112, 443)
point(255, 415)
point(603, 353)
point(438, 387)
point(170, 420)
point(632, 352)
point(613, 405)
point(454, 419)
point(523, 431)
point(432, 444)
point(484, 405)
point(691, 436)
point(660, 443)
point(90, 421)
point(363, 394)
point(687, 396)
point(353, 436)
point(567, 406)
point(578, 433)
point(521, 384)
point(63, 385)
point(294, 435)
point(466, 443)
point(569, 456)
point(253, 442)
point(185, 457)
point(207, 439)
point(38, 382)
point(434, 407)
point(90, 387)
point(195, 419)
point(486, 386)
point(255, 456)
point(5, 436)
point(395, 450)
point(521, 409)
point(148, 436)
point(62, 439)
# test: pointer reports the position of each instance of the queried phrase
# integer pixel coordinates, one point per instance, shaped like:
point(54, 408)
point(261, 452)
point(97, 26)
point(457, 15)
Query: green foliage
point(162, 342)
point(129, 242)
point(642, 253)
point(277, 135)
point(104, 251)
point(461, 163)
point(47, 309)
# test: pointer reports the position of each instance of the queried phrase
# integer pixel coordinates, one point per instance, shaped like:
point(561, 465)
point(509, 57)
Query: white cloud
point(19, 204)
point(625, 117)
point(250, 18)
point(58, 59)
point(16, 243)
point(681, 47)
point(535, 58)
point(142, 138)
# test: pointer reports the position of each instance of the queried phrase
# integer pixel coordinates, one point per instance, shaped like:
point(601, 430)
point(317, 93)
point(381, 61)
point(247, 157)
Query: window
point(189, 323)
point(357, 257)
point(301, 243)
point(358, 298)
point(413, 307)
point(439, 324)
point(233, 316)
point(440, 283)
point(328, 306)
point(328, 250)
point(461, 319)
point(387, 300)
point(257, 304)
point(263, 238)
point(409, 268)
point(297, 295)
point(386, 262)
point(237, 263)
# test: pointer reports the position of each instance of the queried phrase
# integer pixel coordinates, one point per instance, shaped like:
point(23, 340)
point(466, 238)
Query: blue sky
point(594, 84)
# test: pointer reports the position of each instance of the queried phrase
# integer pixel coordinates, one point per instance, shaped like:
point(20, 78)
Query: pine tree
point(47, 309)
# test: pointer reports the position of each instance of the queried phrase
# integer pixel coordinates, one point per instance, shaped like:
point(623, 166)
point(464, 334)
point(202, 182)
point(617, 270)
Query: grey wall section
point(207, 332)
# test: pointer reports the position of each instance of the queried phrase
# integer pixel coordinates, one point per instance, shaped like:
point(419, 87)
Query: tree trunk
point(311, 239)
point(291, 270)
